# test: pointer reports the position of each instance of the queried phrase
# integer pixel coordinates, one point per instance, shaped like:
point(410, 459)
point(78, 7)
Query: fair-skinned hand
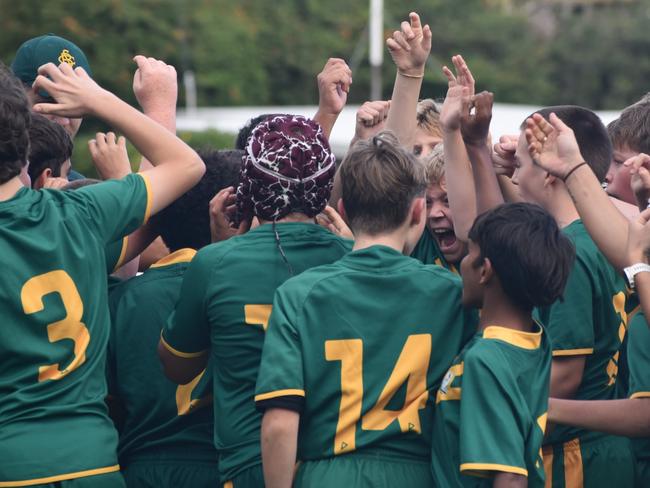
point(503, 155)
point(475, 127)
point(639, 166)
point(332, 221)
point(450, 113)
point(638, 239)
point(75, 93)
point(463, 76)
point(371, 119)
point(410, 46)
point(110, 156)
point(552, 145)
point(55, 183)
point(155, 84)
point(333, 86)
point(222, 210)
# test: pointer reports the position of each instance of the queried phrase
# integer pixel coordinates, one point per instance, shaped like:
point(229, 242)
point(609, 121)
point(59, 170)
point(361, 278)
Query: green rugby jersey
point(638, 356)
point(591, 321)
point(361, 346)
point(55, 325)
point(491, 410)
point(115, 254)
point(428, 252)
point(162, 420)
point(224, 306)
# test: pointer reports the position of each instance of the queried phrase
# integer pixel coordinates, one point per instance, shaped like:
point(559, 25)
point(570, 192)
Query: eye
point(417, 150)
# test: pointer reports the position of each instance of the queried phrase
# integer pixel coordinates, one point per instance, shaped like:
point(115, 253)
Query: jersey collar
point(524, 340)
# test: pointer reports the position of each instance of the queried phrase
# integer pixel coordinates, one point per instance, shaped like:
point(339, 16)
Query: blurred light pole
point(376, 47)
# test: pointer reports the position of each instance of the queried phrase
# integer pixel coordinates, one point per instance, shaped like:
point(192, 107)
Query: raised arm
point(333, 88)
point(409, 49)
point(76, 94)
point(554, 148)
point(459, 179)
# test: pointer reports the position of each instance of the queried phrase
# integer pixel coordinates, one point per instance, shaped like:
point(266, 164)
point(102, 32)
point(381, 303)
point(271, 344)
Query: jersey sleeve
point(570, 321)
point(116, 208)
point(187, 331)
point(638, 357)
point(115, 252)
point(280, 382)
point(492, 430)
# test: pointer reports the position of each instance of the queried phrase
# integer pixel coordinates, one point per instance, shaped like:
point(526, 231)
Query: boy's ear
point(418, 211)
point(341, 209)
point(41, 179)
point(487, 271)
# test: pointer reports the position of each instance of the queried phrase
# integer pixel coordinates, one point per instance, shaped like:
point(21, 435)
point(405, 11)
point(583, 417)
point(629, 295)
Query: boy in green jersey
point(355, 349)
point(491, 407)
point(227, 291)
point(165, 429)
point(54, 426)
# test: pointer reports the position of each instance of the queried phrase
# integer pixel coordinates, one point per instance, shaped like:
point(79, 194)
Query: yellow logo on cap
point(66, 57)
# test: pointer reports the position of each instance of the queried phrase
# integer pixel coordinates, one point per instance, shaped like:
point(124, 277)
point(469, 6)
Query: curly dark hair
point(15, 120)
point(49, 147)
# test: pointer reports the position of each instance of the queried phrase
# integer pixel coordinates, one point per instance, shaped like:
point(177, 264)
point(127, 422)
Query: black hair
point(245, 132)
point(593, 139)
point(15, 119)
point(49, 147)
point(186, 222)
point(528, 251)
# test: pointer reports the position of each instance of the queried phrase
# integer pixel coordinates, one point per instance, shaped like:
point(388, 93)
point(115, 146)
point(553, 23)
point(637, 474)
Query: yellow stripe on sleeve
point(573, 352)
point(279, 393)
point(61, 477)
point(180, 354)
point(120, 260)
point(147, 211)
point(640, 394)
point(468, 468)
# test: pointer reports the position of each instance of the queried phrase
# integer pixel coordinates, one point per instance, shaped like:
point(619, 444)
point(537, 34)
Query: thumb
point(557, 123)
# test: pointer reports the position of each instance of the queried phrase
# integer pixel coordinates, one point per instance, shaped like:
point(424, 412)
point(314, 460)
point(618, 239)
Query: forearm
point(403, 109)
point(628, 417)
point(279, 440)
point(509, 480)
point(605, 224)
point(459, 179)
point(166, 117)
point(509, 189)
point(488, 193)
point(326, 121)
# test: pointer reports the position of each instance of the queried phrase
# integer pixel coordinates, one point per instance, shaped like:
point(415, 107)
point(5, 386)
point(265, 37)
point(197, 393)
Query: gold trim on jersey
point(184, 255)
point(279, 393)
point(525, 340)
point(120, 260)
point(228, 484)
point(573, 352)
point(181, 354)
point(573, 472)
point(640, 394)
point(147, 210)
point(470, 468)
point(62, 477)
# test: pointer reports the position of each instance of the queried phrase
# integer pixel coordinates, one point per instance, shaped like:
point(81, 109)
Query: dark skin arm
point(510, 480)
point(181, 370)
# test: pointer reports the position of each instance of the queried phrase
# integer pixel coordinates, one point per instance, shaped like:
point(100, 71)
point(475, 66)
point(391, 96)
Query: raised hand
point(331, 220)
point(463, 76)
point(333, 86)
point(371, 119)
point(503, 155)
point(155, 84)
point(222, 209)
point(75, 93)
point(410, 47)
point(475, 127)
point(552, 145)
point(109, 156)
point(450, 113)
point(639, 166)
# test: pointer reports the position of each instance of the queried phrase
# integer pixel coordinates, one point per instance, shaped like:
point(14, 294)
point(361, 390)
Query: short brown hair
point(380, 180)
point(428, 117)
point(632, 128)
point(434, 164)
point(15, 119)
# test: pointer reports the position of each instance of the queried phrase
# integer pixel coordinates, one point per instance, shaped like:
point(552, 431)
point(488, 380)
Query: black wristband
point(566, 177)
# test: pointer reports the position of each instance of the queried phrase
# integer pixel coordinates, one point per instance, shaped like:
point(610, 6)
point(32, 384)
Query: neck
point(562, 208)
point(10, 188)
point(395, 240)
point(292, 217)
point(499, 310)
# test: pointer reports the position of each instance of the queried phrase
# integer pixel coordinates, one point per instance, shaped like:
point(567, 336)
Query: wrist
point(475, 143)
point(102, 104)
point(412, 73)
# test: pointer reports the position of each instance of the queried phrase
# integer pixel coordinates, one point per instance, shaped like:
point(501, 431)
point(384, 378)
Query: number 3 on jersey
point(411, 367)
point(70, 327)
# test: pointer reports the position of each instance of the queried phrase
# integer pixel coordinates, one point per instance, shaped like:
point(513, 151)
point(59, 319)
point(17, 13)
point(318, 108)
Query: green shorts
point(361, 470)
point(603, 462)
point(168, 474)
point(108, 480)
point(249, 478)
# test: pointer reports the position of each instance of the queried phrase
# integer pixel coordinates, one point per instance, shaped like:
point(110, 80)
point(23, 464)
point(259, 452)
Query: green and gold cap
point(46, 49)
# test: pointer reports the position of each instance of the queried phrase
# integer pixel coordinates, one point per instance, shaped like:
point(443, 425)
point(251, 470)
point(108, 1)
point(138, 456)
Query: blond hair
point(434, 164)
point(428, 117)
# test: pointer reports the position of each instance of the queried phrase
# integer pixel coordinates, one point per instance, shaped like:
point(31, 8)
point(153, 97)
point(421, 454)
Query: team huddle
point(437, 309)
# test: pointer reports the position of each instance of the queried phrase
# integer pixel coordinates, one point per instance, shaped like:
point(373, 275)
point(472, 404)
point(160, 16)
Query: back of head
point(434, 164)
point(41, 50)
point(49, 147)
point(288, 168)
point(380, 180)
point(186, 222)
point(591, 134)
point(245, 132)
point(528, 252)
point(428, 117)
point(632, 129)
point(15, 120)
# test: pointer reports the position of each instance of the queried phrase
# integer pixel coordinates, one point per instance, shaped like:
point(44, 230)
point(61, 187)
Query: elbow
point(178, 373)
